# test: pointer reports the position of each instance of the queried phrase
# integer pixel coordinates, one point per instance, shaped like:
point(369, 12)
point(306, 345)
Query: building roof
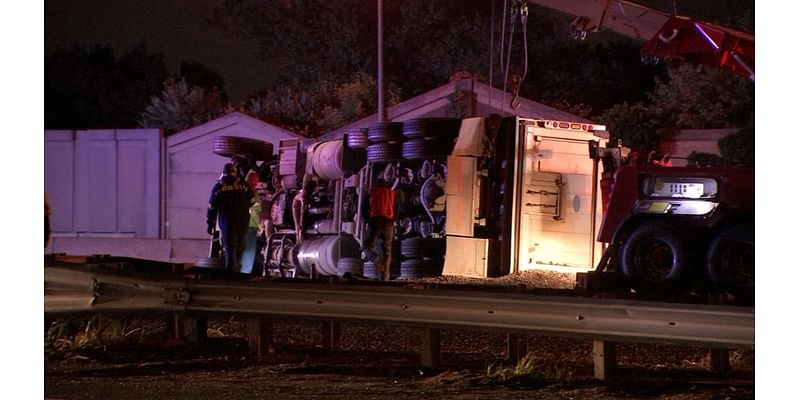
point(486, 100)
point(233, 124)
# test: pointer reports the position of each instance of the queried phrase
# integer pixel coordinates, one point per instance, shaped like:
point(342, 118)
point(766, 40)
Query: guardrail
point(87, 290)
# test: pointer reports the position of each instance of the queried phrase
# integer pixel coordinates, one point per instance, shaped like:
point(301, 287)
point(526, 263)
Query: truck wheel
point(418, 128)
point(420, 149)
point(355, 266)
point(731, 258)
point(653, 256)
point(418, 247)
point(384, 152)
point(381, 132)
point(229, 146)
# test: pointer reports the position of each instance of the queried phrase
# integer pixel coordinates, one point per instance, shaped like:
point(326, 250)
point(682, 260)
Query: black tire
point(653, 257)
point(413, 268)
point(420, 149)
point(369, 270)
point(211, 263)
point(355, 266)
point(384, 152)
point(229, 146)
point(381, 132)
point(419, 247)
point(730, 262)
point(394, 270)
point(411, 247)
point(421, 268)
point(431, 127)
point(357, 138)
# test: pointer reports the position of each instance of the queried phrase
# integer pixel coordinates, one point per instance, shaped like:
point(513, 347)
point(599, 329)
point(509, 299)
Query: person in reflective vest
point(381, 212)
point(229, 206)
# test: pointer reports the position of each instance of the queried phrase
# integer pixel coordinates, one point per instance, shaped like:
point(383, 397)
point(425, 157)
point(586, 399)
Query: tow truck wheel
point(731, 258)
point(653, 256)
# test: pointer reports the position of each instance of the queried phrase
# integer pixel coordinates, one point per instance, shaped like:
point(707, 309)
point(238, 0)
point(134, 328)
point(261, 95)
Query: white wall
point(104, 182)
point(193, 169)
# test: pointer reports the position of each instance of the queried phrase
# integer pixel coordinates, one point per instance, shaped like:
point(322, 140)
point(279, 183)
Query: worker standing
point(229, 206)
point(381, 211)
point(255, 226)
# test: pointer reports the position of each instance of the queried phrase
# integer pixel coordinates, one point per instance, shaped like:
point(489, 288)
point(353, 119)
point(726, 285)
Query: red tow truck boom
point(669, 37)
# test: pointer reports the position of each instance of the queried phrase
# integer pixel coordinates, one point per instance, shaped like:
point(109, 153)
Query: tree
point(327, 107)
point(289, 106)
point(638, 126)
point(692, 97)
point(740, 147)
point(426, 42)
point(181, 106)
point(306, 40)
point(92, 88)
point(200, 75)
point(696, 96)
point(597, 74)
point(354, 100)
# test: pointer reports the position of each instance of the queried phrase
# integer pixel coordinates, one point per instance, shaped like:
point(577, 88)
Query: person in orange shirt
point(381, 211)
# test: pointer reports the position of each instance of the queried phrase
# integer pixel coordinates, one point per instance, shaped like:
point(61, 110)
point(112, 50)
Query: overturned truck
point(486, 197)
point(479, 197)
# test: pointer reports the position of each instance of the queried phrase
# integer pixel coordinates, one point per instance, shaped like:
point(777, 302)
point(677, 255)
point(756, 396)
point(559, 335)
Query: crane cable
point(515, 103)
point(508, 56)
point(502, 51)
point(522, 9)
point(491, 54)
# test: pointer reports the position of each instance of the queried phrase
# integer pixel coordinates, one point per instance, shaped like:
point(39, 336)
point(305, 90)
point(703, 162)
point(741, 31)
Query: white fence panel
point(59, 170)
point(104, 182)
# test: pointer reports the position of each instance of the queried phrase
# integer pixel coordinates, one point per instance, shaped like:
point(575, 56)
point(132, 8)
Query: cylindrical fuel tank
point(325, 227)
point(327, 159)
point(321, 254)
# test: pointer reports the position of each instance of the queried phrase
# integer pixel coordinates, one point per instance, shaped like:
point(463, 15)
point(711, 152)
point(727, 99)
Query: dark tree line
point(324, 54)
point(93, 88)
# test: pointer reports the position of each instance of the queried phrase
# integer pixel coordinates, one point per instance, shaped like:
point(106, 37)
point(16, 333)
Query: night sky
point(174, 28)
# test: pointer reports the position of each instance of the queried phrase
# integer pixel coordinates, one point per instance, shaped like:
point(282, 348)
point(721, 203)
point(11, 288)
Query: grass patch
point(529, 366)
point(98, 333)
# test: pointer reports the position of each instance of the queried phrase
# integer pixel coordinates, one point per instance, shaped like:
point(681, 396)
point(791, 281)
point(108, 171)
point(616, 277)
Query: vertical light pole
point(381, 106)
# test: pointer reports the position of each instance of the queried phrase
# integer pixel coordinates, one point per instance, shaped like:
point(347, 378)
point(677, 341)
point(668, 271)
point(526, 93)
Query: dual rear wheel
point(656, 257)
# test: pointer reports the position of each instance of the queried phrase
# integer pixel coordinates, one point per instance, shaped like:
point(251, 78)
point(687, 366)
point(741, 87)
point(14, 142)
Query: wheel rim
point(654, 260)
point(738, 263)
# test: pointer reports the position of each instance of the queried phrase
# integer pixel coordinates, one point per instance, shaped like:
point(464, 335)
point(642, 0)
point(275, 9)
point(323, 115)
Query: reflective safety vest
point(381, 202)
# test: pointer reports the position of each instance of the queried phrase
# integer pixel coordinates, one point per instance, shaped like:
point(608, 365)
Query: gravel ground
point(530, 279)
point(373, 361)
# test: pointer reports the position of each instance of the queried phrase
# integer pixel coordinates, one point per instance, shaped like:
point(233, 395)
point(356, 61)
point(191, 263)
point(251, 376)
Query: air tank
point(321, 254)
point(326, 159)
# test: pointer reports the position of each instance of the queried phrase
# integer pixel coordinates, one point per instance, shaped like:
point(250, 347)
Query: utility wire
point(491, 54)
point(502, 52)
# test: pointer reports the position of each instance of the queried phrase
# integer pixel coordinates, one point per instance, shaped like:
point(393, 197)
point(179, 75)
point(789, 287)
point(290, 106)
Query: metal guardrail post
point(195, 329)
point(260, 336)
point(720, 362)
point(431, 351)
point(604, 354)
point(516, 347)
point(331, 335)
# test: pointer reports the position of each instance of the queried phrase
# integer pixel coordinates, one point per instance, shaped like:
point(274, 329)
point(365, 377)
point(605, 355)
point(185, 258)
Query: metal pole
point(593, 224)
point(381, 106)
